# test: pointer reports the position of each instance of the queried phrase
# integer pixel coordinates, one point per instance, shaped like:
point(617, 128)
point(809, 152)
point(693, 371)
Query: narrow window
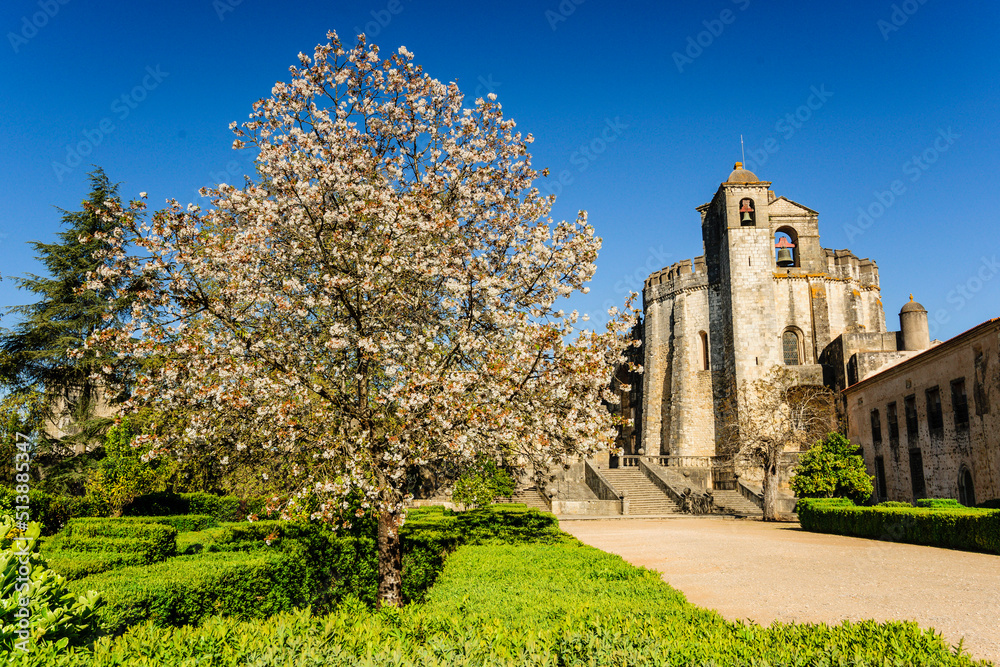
point(966, 492)
point(917, 473)
point(876, 428)
point(704, 351)
point(959, 404)
point(935, 420)
point(910, 405)
point(790, 348)
point(892, 423)
point(880, 492)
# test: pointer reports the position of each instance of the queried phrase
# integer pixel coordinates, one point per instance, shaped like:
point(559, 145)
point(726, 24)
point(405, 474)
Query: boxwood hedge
point(496, 605)
point(954, 527)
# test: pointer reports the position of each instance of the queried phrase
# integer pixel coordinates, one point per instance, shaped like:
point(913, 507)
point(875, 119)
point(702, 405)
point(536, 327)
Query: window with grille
point(892, 422)
point(935, 420)
point(790, 347)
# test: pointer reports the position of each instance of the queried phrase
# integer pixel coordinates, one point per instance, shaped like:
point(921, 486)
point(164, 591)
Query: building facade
point(930, 424)
point(764, 293)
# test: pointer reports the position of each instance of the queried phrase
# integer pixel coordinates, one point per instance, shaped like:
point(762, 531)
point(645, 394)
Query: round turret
point(741, 175)
point(914, 327)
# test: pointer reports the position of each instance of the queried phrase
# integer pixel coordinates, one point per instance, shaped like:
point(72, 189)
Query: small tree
point(382, 300)
point(771, 415)
point(482, 484)
point(832, 468)
point(122, 475)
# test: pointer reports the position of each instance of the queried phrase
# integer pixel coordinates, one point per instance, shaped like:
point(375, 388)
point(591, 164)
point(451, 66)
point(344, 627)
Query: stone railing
point(601, 487)
point(751, 494)
point(629, 461)
point(659, 480)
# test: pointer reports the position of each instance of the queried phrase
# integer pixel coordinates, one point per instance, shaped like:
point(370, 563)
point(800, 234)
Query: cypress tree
point(35, 353)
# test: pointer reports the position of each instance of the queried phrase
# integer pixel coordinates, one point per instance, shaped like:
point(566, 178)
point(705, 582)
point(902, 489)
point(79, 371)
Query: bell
point(785, 257)
point(746, 217)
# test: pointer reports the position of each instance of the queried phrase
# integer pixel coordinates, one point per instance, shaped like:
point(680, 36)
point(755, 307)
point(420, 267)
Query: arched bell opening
point(786, 246)
point(748, 214)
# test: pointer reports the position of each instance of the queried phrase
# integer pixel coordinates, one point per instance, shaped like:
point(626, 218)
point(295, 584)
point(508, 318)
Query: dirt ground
point(765, 572)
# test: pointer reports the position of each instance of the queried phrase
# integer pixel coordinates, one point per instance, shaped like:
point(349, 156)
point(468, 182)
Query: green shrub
point(79, 564)
point(832, 468)
point(187, 589)
point(953, 527)
point(894, 503)
point(494, 605)
point(222, 508)
point(482, 484)
point(990, 504)
point(54, 613)
point(52, 511)
point(157, 540)
point(938, 502)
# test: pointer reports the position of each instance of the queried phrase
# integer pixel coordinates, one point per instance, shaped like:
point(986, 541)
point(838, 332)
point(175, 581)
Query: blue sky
point(639, 106)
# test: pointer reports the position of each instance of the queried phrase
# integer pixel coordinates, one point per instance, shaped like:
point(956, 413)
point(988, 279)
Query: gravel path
point(766, 572)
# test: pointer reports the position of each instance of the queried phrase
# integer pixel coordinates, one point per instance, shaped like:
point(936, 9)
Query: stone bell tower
point(739, 253)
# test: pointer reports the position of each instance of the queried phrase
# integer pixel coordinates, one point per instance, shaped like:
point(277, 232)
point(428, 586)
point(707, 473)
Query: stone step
point(643, 496)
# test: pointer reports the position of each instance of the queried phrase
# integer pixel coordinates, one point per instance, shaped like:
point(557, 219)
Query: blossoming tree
point(381, 298)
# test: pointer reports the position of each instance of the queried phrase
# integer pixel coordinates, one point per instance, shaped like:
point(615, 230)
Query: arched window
point(790, 348)
point(966, 491)
point(748, 215)
point(704, 351)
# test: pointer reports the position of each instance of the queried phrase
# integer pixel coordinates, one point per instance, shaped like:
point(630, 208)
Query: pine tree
point(35, 353)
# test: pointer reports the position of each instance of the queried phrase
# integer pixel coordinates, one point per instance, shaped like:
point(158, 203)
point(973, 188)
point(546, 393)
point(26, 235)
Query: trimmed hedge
point(53, 512)
point(223, 508)
point(187, 589)
point(154, 541)
point(936, 503)
point(79, 564)
point(495, 605)
point(964, 528)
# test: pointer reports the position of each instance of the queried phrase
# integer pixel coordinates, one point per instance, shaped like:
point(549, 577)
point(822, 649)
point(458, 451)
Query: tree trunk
point(390, 561)
point(771, 486)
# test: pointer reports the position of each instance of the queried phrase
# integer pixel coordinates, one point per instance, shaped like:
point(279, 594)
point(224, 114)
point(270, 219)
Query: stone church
point(764, 292)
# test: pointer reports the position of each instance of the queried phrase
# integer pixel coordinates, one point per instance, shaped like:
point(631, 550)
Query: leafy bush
point(482, 484)
point(990, 504)
point(494, 605)
point(187, 589)
point(894, 503)
point(122, 475)
point(222, 508)
point(79, 564)
point(52, 511)
point(124, 535)
point(53, 612)
point(936, 503)
point(832, 468)
point(953, 527)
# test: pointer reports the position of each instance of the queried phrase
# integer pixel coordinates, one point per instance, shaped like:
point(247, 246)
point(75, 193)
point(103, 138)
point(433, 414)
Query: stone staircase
point(733, 502)
point(530, 496)
point(644, 497)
